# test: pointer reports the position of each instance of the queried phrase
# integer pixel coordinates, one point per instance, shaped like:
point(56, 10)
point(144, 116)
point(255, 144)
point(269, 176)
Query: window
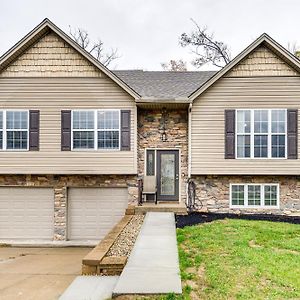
point(1, 129)
point(261, 133)
point(96, 129)
point(254, 195)
point(243, 133)
point(108, 129)
point(278, 133)
point(83, 130)
point(238, 195)
point(150, 163)
point(14, 129)
point(270, 195)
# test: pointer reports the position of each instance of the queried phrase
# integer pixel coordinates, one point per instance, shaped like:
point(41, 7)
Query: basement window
point(254, 195)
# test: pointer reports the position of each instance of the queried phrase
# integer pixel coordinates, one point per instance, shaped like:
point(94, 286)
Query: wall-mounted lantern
point(163, 135)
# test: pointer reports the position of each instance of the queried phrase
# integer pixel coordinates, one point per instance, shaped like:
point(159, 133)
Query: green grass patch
point(239, 259)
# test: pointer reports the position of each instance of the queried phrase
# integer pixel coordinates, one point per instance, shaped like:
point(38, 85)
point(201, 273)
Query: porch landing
point(177, 208)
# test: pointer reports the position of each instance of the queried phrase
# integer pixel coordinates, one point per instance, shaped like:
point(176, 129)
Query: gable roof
point(265, 40)
point(42, 29)
point(147, 86)
point(164, 84)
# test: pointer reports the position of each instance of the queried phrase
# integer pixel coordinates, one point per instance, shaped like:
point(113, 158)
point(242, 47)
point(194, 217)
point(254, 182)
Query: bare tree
point(206, 48)
point(174, 65)
point(82, 38)
point(294, 48)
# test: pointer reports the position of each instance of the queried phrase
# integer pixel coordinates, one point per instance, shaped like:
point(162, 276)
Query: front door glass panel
point(167, 174)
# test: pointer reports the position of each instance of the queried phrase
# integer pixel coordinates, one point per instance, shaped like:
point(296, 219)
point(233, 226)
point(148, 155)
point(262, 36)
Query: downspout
point(189, 150)
point(190, 140)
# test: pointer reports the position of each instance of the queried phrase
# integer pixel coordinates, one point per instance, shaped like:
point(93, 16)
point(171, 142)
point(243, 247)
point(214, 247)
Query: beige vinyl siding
point(207, 132)
point(50, 96)
point(262, 62)
point(51, 57)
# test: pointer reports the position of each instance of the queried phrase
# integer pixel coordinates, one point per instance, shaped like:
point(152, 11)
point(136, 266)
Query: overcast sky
point(146, 32)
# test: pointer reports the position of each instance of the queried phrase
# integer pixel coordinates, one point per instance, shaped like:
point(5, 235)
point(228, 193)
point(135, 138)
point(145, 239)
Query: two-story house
point(75, 137)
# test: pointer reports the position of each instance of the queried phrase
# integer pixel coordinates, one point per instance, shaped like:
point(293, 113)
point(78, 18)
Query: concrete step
point(179, 209)
point(90, 287)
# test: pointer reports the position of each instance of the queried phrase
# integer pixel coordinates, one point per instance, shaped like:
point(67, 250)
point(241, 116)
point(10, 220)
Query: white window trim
point(262, 200)
point(4, 130)
point(96, 130)
point(269, 134)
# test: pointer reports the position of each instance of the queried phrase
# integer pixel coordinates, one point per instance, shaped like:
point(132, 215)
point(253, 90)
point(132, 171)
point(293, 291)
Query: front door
point(167, 175)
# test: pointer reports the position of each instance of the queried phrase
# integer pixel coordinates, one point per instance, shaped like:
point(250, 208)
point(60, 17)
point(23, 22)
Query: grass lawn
point(239, 259)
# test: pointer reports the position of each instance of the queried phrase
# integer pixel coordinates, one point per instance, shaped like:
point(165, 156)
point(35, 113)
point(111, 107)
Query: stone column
point(60, 213)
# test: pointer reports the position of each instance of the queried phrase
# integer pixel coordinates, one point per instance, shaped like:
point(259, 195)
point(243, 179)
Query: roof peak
point(42, 29)
point(265, 39)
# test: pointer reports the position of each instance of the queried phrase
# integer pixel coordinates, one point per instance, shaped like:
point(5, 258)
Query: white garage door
point(26, 213)
point(92, 212)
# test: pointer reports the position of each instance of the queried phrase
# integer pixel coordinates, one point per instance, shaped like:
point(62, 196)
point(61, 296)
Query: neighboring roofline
point(264, 38)
point(42, 28)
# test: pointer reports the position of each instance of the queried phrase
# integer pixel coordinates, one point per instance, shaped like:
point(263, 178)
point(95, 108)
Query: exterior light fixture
point(163, 135)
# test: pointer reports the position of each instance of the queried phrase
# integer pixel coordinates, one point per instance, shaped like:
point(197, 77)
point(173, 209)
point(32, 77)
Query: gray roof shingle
point(164, 84)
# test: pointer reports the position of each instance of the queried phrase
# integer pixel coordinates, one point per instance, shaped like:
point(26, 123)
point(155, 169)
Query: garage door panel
point(92, 212)
point(26, 213)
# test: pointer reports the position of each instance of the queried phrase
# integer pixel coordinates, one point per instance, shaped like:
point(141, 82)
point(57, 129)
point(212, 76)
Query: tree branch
point(81, 37)
point(206, 48)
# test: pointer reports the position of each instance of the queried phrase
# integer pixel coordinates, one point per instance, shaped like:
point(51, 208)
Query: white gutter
point(190, 140)
point(163, 100)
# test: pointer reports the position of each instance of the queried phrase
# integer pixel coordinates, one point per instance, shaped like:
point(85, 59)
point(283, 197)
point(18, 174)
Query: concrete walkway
point(153, 266)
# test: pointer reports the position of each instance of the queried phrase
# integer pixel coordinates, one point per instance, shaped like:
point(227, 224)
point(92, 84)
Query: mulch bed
point(195, 218)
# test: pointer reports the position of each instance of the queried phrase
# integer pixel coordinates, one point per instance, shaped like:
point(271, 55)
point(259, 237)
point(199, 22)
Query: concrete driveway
point(38, 273)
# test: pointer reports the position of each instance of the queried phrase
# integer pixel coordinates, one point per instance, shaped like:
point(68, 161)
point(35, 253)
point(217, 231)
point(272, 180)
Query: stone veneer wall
point(150, 127)
point(213, 192)
point(60, 184)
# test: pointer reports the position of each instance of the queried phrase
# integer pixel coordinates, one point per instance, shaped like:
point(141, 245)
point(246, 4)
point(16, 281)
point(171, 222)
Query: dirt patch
point(191, 270)
point(286, 251)
point(197, 283)
point(252, 244)
point(125, 241)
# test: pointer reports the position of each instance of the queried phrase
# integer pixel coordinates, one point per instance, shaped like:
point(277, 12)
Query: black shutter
point(34, 130)
point(125, 130)
point(292, 133)
point(229, 134)
point(65, 130)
